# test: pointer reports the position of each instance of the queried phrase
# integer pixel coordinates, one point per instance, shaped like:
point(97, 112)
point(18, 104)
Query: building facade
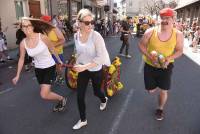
point(187, 11)
point(12, 10)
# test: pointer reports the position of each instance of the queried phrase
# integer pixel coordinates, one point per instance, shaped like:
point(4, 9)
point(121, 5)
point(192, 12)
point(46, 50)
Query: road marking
point(141, 67)
point(118, 119)
point(5, 91)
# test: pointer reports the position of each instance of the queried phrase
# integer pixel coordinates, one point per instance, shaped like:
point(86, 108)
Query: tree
point(154, 6)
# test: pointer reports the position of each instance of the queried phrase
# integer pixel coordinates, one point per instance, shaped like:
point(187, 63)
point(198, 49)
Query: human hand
point(15, 80)
point(79, 68)
point(167, 61)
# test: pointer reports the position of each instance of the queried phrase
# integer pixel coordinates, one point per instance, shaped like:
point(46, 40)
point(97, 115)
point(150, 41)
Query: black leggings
point(82, 82)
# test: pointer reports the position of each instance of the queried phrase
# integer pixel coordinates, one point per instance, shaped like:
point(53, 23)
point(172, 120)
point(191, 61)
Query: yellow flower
point(112, 69)
point(119, 86)
point(110, 92)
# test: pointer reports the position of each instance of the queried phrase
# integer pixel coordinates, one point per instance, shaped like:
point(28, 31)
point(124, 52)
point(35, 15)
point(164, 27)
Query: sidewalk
point(13, 54)
point(188, 51)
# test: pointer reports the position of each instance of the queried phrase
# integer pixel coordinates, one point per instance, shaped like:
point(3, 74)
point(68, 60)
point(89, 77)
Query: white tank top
point(41, 56)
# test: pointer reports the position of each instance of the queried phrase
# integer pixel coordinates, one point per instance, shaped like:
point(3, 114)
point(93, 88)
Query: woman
point(91, 55)
point(38, 46)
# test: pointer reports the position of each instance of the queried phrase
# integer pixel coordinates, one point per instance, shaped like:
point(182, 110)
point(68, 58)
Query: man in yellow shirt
point(167, 41)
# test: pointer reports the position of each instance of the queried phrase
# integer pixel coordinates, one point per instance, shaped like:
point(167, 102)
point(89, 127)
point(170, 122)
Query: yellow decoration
point(119, 86)
point(112, 69)
point(110, 92)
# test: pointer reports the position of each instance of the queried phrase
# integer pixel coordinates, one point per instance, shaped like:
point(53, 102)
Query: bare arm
point(179, 47)
point(61, 39)
point(144, 41)
point(51, 47)
point(20, 62)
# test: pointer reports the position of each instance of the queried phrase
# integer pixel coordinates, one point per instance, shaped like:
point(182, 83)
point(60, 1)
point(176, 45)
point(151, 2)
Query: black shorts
point(45, 75)
point(157, 77)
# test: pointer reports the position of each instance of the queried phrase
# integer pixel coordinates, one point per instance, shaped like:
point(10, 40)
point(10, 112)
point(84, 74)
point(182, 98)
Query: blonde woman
point(37, 46)
point(91, 55)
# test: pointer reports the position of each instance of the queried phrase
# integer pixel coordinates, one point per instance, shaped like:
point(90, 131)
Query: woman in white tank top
point(39, 46)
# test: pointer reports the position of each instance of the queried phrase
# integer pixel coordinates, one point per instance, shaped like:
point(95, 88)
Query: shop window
point(19, 9)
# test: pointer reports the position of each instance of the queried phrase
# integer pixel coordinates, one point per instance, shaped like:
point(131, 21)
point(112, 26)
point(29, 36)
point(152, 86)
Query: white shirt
point(41, 55)
point(93, 50)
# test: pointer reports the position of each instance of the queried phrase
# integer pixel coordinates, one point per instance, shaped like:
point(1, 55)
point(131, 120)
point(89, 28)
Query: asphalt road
point(131, 111)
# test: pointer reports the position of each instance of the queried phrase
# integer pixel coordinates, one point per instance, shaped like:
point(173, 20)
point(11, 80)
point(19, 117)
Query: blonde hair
point(83, 13)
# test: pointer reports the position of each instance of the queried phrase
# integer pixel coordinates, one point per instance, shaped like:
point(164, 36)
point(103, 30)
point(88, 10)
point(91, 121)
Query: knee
point(44, 94)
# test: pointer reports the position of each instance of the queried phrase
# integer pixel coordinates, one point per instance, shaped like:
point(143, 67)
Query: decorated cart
point(111, 76)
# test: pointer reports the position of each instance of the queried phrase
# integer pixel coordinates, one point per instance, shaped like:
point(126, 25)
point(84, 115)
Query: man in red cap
point(161, 41)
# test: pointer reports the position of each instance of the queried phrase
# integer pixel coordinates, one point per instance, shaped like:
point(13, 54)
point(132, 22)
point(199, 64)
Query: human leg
point(82, 82)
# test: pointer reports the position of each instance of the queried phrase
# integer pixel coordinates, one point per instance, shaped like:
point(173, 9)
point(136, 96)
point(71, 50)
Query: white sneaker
point(120, 54)
point(128, 56)
point(103, 105)
point(80, 124)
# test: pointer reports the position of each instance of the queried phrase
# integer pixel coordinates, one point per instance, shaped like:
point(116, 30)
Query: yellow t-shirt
point(166, 48)
point(53, 37)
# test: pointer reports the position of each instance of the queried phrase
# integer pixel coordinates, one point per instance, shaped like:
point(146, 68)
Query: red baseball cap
point(46, 18)
point(166, 12)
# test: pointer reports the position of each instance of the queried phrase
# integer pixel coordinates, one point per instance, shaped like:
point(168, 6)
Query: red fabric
point(167, 12)
point(46, 18)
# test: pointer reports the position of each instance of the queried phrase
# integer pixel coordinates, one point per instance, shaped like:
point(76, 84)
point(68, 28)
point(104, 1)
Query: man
point(165, 40)
point(126, 30)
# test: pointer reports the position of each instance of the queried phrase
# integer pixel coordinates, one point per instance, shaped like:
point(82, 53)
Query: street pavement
point(130, 111)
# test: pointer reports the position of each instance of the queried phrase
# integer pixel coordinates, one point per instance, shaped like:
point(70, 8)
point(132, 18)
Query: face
point(166, 20)
point(27, 27)
point(86, 24)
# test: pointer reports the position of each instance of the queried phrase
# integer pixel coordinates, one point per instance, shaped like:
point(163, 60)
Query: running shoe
point(103, 105)
point(80, 124)
point(60, 106)
point(159, 114)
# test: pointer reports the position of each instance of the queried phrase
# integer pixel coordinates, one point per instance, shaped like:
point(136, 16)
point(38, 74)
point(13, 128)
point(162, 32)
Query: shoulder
point(179, 34)
point(22, 43)
point(43, 37)
point(97, 34)
point(148, 33)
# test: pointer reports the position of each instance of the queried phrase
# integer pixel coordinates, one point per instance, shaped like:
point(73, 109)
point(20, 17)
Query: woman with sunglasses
point(91, 55)
point(37, 46)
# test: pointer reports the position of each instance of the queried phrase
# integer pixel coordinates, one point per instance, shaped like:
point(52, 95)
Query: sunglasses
point(88, 22)
point(26, 26)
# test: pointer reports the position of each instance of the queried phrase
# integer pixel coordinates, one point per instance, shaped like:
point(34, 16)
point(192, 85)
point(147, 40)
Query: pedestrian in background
point(91, 56)
point(39, 46)
point(167, 41)
point(125, 32)
point(3, 48)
